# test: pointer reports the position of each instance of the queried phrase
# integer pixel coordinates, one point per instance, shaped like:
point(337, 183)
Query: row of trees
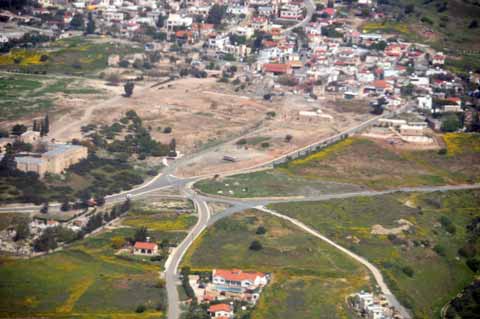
point(78, 23)
point(52, 236)
point(27, 40)
point(42, 126)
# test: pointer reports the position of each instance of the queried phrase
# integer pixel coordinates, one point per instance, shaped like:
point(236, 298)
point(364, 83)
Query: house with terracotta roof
point(328, 11)
point(220, 311)
point(438, 59)
point(381, 86)
point(236, 278)
point(145, 248)
point(277, 68)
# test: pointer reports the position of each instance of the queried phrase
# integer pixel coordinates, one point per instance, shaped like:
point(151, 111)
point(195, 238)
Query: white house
point(221, 311)
point(239, 279)
point(291, 11)
point(219, 42)
point(237, 10)
point(244, 31)
point(114, 16)
point(176, 20)
point(145, 248)
point(365, 76)
point(419, 81)
point(375, 312)
point(425, 102)
point(438, 59)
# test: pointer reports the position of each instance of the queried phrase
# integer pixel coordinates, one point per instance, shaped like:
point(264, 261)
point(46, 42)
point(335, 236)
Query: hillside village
point(279, 47)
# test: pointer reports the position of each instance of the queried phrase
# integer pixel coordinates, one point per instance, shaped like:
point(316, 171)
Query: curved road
point(165, 179)
point(310, 6)
point(374, 270)
point(173, 261)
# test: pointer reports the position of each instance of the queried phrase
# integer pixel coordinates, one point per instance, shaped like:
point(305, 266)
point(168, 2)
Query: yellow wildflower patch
point(75, 293)
point(323, 153)
point(22, 57)
point(459, 143)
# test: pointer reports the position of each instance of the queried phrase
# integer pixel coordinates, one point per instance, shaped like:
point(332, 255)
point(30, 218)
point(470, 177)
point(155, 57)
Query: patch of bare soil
point(404, 225)
point(287, 121)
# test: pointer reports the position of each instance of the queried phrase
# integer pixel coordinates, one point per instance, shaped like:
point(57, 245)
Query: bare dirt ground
point(392, 142)
point(287, 121)
point(403, 225)
point(203, 113)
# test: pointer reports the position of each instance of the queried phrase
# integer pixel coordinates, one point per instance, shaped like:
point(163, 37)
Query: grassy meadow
point(89, 279)
point(22, 94)
point(359, 163)
point(426, 247)
point(85, 280)
point(445, 25)
point(72, 56)
point(161, 219)
point(310, 279)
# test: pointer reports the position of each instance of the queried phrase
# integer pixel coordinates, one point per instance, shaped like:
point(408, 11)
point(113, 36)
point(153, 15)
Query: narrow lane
point(173, 261)
point(374, 270)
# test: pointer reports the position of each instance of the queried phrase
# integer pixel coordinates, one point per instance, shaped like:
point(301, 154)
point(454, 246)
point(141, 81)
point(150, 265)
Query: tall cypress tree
point(41, 129)
point(8, 163)
point(46, 125)
point(90, 24)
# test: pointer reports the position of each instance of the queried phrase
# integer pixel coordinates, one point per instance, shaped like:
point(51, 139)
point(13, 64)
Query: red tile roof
point(454, 99)
point(329, 11)
point(380, 84)
point(220, 307)
point(144, 245)
point(183, 33)
point(237, 275)
point(276, 67)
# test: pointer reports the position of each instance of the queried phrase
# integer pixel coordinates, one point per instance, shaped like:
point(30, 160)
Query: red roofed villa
point(220, 311)
point(145, 248)
point(239, 279)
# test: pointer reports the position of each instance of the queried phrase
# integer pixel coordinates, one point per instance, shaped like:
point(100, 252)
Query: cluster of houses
point(228, 285)
point(369, 306)
point(325, 56)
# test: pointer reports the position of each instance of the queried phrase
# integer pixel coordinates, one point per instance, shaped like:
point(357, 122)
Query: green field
point(87, 279)
point(160, 219)
point(73, 56)
point(34, 94)
point(310, 278)
point(358, 163)
point(271, 183)
point(445, 25)
point(436, 279)
point(84, 281)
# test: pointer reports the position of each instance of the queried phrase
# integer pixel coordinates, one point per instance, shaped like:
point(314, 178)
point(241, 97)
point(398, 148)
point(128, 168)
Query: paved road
point(166, 179)
point(310, 6)
point(374, 270)
point(241, 204)
point(171, 265)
